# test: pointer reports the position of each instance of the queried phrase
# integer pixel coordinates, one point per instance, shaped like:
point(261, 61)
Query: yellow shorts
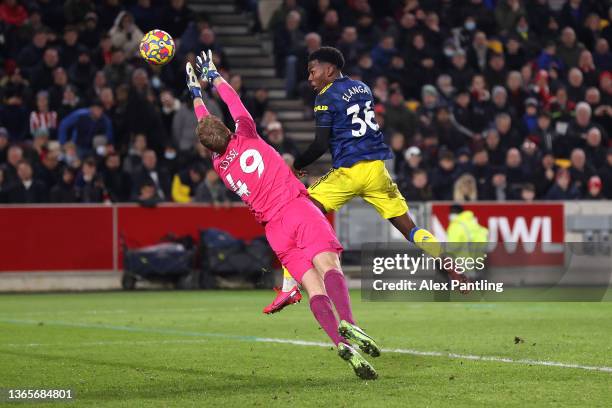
point(369, 180)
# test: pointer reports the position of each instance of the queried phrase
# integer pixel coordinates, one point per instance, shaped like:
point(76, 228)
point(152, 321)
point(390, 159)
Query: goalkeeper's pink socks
point(322, 310)
point(336, 288)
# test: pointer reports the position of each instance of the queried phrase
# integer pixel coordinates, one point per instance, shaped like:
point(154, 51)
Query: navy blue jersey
point(347, 107)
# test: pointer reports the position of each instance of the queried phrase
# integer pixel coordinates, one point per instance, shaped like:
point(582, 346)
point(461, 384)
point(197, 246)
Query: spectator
point(528, 193)
point(330, 29)
point(478, 53)
point(288, 39)
point(70, 48)
point(460, 71)
point(580, 171)
point(384, 51)
point(367, 31)
point(176, 17)
point(12, 13)
point(398, 117)
point(562, 189)
point(530, 118)
point(108, 11)
point(495, 73)
point(184, 184)
point(42, 76)
point(499, 187)
point(116, 181)
point(276, 138)
point(211, 190)
point(64, 191)
point(13, 157)
point(150, 171)
point(82, 72)
point(279, 16)
point(169, 106)
point(90, 32)
point(32, 54)
point(144, 116)
point(602, 57)
point(14, 117)
point(26, 189)
point(82, 125)
point(42, 117)
point(548, 57)
point(103, 53)
point(575, 89)
point(594, 189)
point(465, 189)
point(495, 151)
point(49, 170)
point(509, 136)
point(133, 161)
point(70, 102)
point(89, 185)
point(4, 145)
point(443, 177)
point(605, 173)
point(145, 15)
point(3, 194)
point(507, 14)
point(482, 172)
point(569, 49)
point(350, 46)
point(418, 189)
point(125, 34)
point(118, 71)
point(514, 54)
point(595, 153)
point(516, 174)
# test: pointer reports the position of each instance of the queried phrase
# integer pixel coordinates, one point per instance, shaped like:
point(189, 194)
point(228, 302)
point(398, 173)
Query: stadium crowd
point(478, 99)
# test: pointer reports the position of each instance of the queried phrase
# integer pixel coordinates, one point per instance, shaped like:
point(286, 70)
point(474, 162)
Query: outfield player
point(297, 231)
point(345, 125)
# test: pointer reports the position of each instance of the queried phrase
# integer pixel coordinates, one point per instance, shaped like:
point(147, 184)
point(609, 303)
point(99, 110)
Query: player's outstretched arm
point(315, 150)
point(207, 70)
point(196, 92)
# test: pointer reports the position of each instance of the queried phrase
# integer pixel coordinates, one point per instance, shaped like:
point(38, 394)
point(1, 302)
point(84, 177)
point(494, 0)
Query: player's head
point(324, 65)
point(213, 134)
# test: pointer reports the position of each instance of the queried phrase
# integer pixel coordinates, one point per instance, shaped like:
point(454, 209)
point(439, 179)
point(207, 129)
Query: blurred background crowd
point(478, 99)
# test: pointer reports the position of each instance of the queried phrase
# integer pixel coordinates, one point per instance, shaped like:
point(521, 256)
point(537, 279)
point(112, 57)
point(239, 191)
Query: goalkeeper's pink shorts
point(298, 233)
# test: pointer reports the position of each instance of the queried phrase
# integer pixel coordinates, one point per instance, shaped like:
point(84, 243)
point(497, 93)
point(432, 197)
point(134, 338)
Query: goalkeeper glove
point(192, 82)
point(206, 67)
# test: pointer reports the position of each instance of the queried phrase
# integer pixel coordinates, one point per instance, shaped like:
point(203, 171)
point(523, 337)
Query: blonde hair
point(213, 133)
point(465, 189)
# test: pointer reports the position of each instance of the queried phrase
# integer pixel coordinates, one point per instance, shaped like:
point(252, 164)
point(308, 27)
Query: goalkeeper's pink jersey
point(251, 168)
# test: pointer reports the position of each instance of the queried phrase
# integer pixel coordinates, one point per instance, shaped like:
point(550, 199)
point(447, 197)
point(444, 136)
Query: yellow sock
point(288, 281)
point(425, 240)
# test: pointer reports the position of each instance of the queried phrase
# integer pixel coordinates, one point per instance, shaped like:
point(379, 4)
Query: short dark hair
point(328, 54)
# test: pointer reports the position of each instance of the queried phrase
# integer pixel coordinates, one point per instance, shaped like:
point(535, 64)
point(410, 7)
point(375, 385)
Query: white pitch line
point(307, 343)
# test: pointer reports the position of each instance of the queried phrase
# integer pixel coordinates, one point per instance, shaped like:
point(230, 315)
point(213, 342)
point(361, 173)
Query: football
point(157, 47)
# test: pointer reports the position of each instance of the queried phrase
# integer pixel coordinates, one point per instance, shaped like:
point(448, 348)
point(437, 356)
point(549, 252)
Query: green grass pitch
point(200, 349)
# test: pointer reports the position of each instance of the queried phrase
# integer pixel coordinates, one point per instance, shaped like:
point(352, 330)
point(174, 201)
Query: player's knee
point(312, 282)
point(326, 261)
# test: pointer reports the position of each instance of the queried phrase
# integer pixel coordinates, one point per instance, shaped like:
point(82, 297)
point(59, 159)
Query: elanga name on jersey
point(346, 106)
